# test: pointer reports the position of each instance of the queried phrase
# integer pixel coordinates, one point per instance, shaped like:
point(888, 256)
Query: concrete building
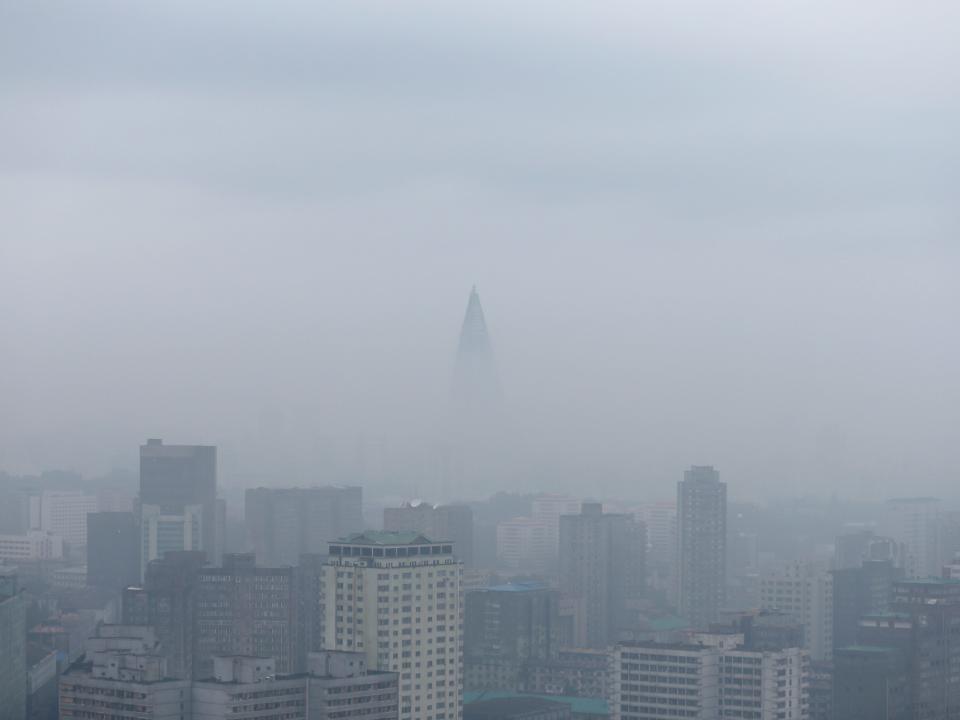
point(870, 682)
point(342, 686)
point(201, 611)
point(62, 513)
point(178, 499)
point(242, 609)
point(805, 591)
point(716, 678)
point(284, 523)
point(438, 522)
point(507, 628)
point(13, 641)
point(524, 543)
point(578, 672)
point(32, 546)
point(915, 522)
point(602, 566)
point(702, 545)
point(113, 550)
point(123, 677)
point(397, 597)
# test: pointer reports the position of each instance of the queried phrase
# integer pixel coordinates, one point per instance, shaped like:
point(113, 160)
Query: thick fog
point(702, 233)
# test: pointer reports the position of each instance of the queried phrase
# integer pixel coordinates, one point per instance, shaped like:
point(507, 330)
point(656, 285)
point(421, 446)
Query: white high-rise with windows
point(805, 591)
point(397, 597)
point(915, 522)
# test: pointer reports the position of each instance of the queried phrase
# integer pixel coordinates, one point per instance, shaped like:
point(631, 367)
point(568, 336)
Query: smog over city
point(640, 316)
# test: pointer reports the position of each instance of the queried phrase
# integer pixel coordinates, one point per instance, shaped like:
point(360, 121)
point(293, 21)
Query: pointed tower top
point(475, 375)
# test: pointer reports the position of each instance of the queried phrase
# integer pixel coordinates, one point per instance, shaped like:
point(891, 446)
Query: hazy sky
point(702, 232)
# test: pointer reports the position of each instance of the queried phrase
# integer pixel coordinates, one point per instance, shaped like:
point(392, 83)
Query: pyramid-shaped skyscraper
point(476, 386)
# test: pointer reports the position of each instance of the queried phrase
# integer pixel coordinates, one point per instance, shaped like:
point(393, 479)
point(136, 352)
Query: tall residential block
point(62, 513)
point(602, 559)
point(113, 550)
point(178, 500)
point(507, 628)
point(702, 545)
point(284, 523)
point(398, 598)
point(437, 522)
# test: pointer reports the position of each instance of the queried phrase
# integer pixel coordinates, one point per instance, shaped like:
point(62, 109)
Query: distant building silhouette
point(113, 544)
point(437, 522)
point(602, 569)
point(475, 426)
point(702, 550)
point(284, 523)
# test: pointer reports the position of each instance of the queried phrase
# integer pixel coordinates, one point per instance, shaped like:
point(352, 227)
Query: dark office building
point(702, 535)
point(174, 478)
point(858, 592)
point(113, 550)
point(308, 576)
point(200, 611)
point(437, 522)
point(505, 628)
point(869, 683)
point(284, 523)
point(167, 602)
point(602, 565)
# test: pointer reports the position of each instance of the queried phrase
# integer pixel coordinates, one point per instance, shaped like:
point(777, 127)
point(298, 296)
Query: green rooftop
point(867, 648)
point(578, 705)
point(386, 537)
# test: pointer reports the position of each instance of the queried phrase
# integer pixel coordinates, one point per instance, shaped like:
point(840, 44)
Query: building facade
point(113, 557)
point(31, 546)
point(702, 545)
point(805, 591)
point(915, 522)
point(508, 628)
point(397, 598)
point(602, 563)
point(63, 513)
point(524, 543)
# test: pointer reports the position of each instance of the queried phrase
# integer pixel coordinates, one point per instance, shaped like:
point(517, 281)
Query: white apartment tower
point(397, 597)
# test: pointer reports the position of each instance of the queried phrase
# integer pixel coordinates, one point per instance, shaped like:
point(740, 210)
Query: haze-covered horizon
point(722, 236)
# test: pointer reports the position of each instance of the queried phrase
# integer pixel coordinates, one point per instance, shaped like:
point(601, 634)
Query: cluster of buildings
point(587, 614)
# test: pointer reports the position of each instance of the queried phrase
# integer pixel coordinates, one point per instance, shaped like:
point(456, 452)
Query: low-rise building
point(31, 546)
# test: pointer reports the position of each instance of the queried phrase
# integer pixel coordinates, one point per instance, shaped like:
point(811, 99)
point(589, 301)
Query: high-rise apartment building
point(602, 569)
point(113, 550)
point(397, 597)
point(178, 500)
point(437, 522)
point(506, 628)
point(13, 648)
point(702, 546)
point(804, 591)
point(284, 523)
point(915, 522)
